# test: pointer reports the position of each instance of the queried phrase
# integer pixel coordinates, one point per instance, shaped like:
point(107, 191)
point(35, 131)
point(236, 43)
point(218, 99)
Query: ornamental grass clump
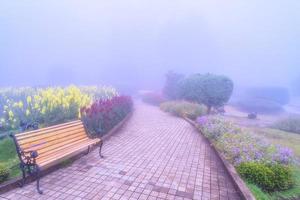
point(184, 109)
point(103, 115)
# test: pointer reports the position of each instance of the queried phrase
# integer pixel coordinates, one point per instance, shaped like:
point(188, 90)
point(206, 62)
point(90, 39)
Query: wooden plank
point(66, 152)
point(56, 153)
point(49, 163)
point(51, 134)
point(46, 130)
point(52, 137)
point(41, 144)
point(61, 146)
point(50, 127)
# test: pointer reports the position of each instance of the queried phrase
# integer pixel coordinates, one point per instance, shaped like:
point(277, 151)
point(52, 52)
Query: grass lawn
point(8, 156)
point(274, 136)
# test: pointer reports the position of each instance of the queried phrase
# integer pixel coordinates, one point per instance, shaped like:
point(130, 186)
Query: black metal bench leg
point(38, 177)
point(88, 151)
point(22, 183)
point(100, 149)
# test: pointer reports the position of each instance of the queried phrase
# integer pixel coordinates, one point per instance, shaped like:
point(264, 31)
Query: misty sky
point(134, 42)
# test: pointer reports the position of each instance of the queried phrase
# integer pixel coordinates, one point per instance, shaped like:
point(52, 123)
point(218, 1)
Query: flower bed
point(258, 162)
point(103, 115)
point(46, 106)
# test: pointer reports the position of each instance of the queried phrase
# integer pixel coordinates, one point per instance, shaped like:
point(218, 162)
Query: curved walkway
point(154, 156)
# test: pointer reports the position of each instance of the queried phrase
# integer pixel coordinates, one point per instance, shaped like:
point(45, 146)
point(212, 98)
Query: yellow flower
point(27, 112)
point(10, 114)
point(43, 110)
point(79, 114)
point(28, 99)
point(36, 106)
point(20, 104)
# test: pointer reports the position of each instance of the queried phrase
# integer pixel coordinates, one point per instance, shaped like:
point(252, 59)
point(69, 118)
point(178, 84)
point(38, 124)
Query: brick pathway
point(155, 156)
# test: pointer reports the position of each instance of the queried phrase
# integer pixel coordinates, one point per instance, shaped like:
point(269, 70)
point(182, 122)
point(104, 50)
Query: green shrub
point(208, 89)
point(290, 124)
point(184, 108)
point(283, 177)
point(4, 173)
point(171, 88)
point(270, 178)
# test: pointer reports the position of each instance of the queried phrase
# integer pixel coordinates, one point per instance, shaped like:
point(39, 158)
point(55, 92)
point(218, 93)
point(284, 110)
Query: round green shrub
point(258, 174)
point(283, 177)
point(208, 89)
point(4, 173)
point(270, 178)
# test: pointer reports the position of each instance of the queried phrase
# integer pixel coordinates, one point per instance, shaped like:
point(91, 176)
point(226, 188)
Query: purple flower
point(202, 120)
point(283, 155)
point(258, 155)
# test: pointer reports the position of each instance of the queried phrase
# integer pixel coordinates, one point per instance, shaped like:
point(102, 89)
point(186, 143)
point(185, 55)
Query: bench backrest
point(50, 139)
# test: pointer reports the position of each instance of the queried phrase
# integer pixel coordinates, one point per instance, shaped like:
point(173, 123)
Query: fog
point(133, 43)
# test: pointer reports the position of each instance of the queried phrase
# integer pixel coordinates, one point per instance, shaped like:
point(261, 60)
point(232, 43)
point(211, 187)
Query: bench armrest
point(29, 156)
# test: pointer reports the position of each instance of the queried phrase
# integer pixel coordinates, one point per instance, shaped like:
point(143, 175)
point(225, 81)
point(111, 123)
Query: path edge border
point(117, 127)
point(244, 191)
point(13, 183)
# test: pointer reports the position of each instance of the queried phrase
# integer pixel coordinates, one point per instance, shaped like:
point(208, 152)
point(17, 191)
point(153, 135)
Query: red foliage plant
point(103, 115)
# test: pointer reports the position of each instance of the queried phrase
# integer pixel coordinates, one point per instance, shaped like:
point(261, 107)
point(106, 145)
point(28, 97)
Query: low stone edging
point(13, 183)
point(244, 191)
point(116, 128)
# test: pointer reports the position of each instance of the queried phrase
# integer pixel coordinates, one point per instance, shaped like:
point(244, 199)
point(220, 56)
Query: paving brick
point(154, 156)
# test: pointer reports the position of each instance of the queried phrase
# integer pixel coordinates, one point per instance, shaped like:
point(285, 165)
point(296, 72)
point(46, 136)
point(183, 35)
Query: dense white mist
point(134, 42)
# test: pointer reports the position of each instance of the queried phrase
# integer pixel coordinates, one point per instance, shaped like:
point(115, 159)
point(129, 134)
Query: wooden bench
point(42, 148)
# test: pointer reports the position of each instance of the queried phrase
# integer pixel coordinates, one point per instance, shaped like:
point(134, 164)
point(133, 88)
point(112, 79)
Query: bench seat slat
point(45, 152)
point(45, 142)
point(44, 148)
point(24, 140)
point(50, 128)
point(65, 153)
